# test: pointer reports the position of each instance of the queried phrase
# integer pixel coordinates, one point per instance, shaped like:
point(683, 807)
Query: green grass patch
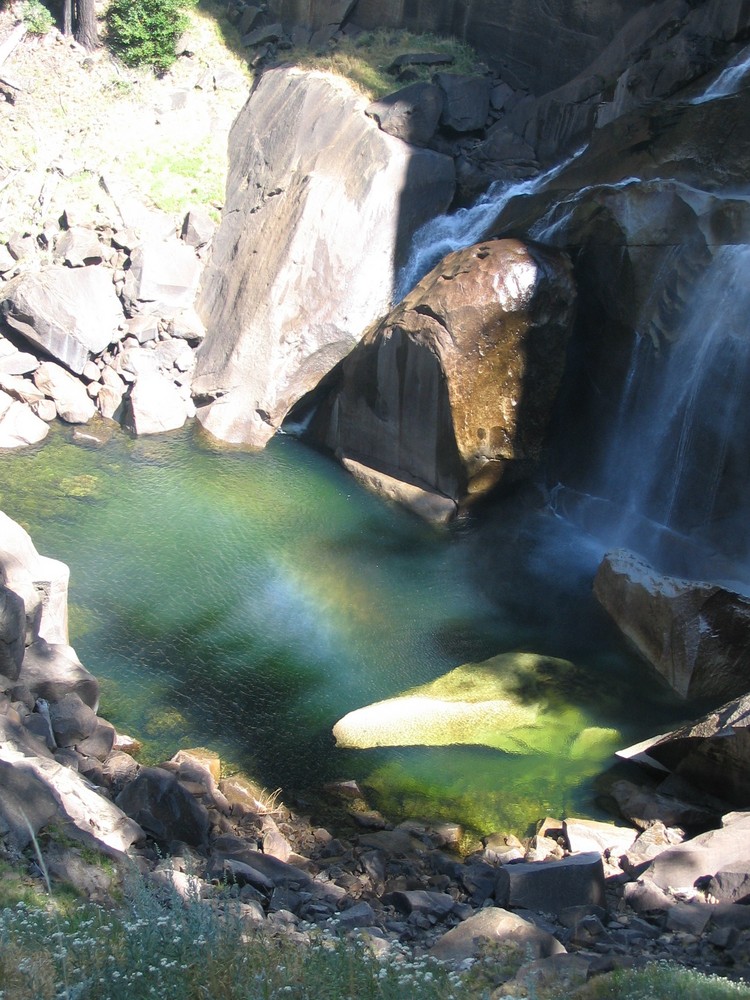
point(183, 176)
point(661, 981)
point(364, 61)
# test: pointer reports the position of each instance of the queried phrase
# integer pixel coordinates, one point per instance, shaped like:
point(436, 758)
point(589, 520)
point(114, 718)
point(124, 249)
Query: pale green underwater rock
point(514, 702)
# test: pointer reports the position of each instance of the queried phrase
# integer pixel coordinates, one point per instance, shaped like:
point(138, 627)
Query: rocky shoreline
point(578, 899)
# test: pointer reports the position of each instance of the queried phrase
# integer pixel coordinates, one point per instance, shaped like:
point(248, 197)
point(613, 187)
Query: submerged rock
point(509, 702)
point(321, 207)
point(451, 393)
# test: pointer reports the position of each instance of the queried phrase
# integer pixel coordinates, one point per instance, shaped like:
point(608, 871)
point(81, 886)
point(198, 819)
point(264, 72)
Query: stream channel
point(246, 602)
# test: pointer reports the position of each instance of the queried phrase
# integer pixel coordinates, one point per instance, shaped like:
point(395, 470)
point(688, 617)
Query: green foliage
point(662, 981)
point(365, 61)
point(144, 32)
point(36, 17)
point(159, 944)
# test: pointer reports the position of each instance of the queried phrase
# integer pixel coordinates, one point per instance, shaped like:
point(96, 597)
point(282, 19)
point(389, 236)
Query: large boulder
point(38, 791)
point(155, 405)
point(71, 313)
point(453, 390)
point(697, 635)
point(19, 425)
point(712, 754)
point(162, 277)
point(72, 402)
point(164, 808)
point(494, 925)
point(39, 582)
point(320, 210)
point(705, 855)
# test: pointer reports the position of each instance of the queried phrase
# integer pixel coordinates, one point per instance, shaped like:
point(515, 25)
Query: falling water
point(678, 462)
point(447, 233)
point(729, 80)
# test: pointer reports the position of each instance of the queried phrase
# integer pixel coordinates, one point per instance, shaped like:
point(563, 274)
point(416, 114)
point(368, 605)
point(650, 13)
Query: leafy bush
point(145, 32)
point(36, 17)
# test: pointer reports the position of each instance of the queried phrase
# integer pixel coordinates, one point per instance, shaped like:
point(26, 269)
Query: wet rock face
point(321, 207)
point(453, 390)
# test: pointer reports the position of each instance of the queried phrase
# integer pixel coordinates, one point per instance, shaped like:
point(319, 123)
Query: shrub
point(36, 17)
point(144, 32)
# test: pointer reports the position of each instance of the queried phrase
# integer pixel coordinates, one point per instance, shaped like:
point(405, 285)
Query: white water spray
point(729, 80)
point(446, 233)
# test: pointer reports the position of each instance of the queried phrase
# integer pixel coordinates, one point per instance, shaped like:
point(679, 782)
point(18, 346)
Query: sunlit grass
point(365, 60)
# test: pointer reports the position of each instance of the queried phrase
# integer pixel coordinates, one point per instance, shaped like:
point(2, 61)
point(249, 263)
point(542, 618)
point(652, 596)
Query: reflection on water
point(247, 602)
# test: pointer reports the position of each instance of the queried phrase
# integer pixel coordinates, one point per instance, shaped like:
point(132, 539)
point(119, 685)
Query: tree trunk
point(67, 17)
point(86, 33)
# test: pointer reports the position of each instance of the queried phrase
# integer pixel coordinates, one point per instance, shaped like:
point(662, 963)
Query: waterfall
point(729, 80)
point(446, 233)
point(678, 462)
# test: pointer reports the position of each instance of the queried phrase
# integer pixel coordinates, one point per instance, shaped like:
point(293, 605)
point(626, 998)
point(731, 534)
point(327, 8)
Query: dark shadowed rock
point(72, 721)
point(51, 671)
point(158, 802)
point(551, 886)
point(411, 114)
point(320, 210)
point(12, 632)
point(712, 754)
point(451, 393)
point(467, 101)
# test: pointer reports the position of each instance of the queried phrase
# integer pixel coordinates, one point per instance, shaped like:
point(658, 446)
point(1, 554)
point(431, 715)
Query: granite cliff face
point(538, 44)
point(321, 208)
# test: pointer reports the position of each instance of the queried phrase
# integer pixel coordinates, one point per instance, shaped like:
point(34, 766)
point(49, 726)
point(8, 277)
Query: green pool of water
point(247, 602)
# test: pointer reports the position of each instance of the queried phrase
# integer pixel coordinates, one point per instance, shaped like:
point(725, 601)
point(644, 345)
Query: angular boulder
point(52, 671)
point(552, 886)
point(706, 855)
point(71, 313)
point(162, 277)
point(411, 114)
point(40, 582)
point(320, 210)
point(712, 753)
point(37, 791)
point(155, 405)
point(696, 635)
point(158, 802)
point(453, 390)
point(19, 425)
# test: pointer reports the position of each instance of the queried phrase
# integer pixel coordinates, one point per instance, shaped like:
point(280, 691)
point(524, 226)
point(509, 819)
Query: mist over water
point(676, 475)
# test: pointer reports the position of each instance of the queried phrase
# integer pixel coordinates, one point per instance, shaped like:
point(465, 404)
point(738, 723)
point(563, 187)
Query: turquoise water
point(245, 602)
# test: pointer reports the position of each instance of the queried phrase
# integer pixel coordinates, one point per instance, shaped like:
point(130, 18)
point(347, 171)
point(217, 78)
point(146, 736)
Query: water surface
point(245, 602)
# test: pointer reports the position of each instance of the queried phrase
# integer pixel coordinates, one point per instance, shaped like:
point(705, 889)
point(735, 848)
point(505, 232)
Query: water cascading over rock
point(452, 391)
